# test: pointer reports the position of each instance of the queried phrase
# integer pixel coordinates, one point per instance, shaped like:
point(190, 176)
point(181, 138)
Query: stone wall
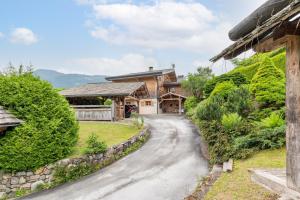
point(29, 180)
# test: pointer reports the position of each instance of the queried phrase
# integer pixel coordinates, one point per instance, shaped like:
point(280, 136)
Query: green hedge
point(49, 130)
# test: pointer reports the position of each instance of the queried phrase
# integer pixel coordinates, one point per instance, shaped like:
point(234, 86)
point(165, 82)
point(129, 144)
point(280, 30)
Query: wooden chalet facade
point(86, 99)
point(276, 30)
point(166, 94)
point(7, 120)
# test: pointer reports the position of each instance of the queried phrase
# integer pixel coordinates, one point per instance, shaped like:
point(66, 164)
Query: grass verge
point(237, 185)
point(110, 133)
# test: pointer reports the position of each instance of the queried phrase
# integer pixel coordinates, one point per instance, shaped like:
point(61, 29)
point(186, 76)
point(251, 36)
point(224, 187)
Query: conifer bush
point(268, 85)
point(49, 131)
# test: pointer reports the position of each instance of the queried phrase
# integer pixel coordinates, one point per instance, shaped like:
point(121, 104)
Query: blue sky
point(115, 37)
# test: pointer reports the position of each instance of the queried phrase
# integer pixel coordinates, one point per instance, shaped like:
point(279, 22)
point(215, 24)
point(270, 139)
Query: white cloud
point(188, 26)
point(23, 36)
point(1, 35)
point(128, 63)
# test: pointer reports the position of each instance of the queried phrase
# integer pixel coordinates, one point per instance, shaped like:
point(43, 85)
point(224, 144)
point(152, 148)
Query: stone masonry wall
point(29, 180)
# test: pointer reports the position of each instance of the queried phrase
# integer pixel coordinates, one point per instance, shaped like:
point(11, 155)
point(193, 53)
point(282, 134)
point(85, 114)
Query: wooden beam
point(270, 44)
point(293, 112)
point(279, 37)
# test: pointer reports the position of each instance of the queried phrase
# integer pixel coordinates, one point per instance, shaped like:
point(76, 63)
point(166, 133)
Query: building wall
point(151, 84)
point(148, 106)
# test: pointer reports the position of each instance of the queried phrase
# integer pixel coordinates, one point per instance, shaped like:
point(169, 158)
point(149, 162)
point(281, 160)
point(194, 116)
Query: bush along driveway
point(168, 166)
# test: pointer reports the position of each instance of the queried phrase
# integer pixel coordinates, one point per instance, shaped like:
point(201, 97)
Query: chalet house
point(7, 120)
point(150, 92)
point(165, 92)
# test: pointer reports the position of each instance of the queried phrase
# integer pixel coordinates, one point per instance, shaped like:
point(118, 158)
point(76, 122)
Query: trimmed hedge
point(49, 130)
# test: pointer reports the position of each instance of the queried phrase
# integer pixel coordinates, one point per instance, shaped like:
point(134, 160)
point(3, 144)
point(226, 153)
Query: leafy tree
point(49, 131)
point(268, 84)
point(195, 82)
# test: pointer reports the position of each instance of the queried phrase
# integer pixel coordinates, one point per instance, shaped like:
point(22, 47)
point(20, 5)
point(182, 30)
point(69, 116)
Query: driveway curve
point(167, 167)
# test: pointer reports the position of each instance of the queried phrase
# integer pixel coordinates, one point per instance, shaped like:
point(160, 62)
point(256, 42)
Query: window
point(172, 89)
point(148, 103)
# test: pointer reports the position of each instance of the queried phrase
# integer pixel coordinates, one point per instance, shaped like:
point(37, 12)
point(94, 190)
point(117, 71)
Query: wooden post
point(293, 112)
point(179, 106)
point(113, 110)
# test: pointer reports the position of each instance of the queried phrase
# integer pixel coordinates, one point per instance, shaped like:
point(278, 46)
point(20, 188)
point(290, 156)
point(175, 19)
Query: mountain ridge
point(63, 80)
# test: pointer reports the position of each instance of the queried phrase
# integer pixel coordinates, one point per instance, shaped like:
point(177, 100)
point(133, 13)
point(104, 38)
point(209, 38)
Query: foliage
point(190, 103)
point(273, 121)
point(223, 89)
point(22, 192)
point(239, 101)
point(65, 174)
point(246, 62)
point(210, 109)
point(49, 131)
point(263, 139)
point(195, 82)
point(94, 146)
point(237, 78)
point(230, 121)
point(218, 141)
point(268, 85)
point(108, 102)
point(138, 121)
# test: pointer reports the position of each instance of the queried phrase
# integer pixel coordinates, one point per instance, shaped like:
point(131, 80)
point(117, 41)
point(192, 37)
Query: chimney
point(151, 68)
point(173, 66)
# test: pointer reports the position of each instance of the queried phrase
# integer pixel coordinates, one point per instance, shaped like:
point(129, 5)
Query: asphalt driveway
point(167, 167)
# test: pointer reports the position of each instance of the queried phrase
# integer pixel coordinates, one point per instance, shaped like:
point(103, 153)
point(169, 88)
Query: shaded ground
point(110, 133)
point(238, 185)
point(167, 167)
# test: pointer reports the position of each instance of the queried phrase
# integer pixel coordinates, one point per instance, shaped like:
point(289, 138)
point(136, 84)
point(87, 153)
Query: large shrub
point(268, 85)
point(190, 103)
point(237, 78)
point(223, 89)
point(239, 101)
point(49, 130)
point(210, 109)
point(263, 139)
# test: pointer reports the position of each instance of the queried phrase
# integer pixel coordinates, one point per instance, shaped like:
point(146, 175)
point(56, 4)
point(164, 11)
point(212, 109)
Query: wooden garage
point(87, 100)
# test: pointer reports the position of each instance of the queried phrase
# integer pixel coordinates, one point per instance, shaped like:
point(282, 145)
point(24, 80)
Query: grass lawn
point(111, 133)
point(238, 186)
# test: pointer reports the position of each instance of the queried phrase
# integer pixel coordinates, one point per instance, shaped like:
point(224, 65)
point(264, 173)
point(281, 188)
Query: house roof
point(172, 94)
point(7, 119)
point(105, 89)
point(262, 32)
point(141, 74)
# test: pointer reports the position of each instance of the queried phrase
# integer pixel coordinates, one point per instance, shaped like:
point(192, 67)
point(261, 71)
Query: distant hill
point(61, 80)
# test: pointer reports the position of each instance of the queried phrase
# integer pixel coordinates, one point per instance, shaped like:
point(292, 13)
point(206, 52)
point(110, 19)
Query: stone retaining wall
point(29, 180)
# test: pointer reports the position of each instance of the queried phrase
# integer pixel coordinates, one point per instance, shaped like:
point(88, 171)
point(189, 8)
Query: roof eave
point(260, 33)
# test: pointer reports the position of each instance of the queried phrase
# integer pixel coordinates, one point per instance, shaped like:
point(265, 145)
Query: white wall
point(148, 109)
